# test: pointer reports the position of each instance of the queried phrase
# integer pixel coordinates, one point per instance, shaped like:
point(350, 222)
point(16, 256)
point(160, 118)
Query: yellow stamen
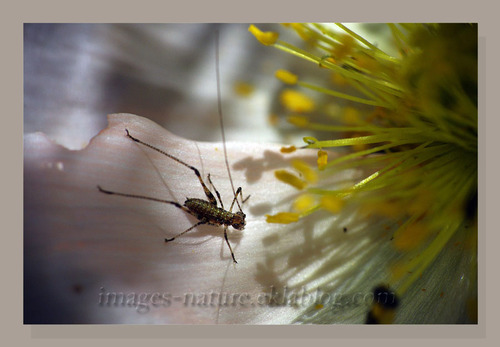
point(322, 159)
point(419, 135)
point(287, 177)
point(296, 101)
point(266, 38)
point(283, 218)
point(309, 174)
point(288, 149)
point(299, 28)
point(303, 202)
point(286, 76)
point(340, 52)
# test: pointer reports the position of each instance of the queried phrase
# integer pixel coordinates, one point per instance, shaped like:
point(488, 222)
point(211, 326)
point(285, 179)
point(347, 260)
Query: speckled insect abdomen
point(204, 210)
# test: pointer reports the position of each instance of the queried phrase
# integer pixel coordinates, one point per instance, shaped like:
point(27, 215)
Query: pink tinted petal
point(97, 258)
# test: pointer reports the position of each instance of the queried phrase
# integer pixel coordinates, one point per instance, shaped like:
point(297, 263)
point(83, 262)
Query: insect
point(207, 212)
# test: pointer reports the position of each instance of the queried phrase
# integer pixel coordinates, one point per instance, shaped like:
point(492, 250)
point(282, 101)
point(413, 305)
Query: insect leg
point(235, 199)
point(241, 196)
point(229, 245)
point(208, 193)
point(216, 191)
point(176, 204)
point(185, 231)
point(244, 200)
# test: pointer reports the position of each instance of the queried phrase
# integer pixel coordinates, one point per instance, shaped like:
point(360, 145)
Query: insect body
point(215, 215)
point(207, 212)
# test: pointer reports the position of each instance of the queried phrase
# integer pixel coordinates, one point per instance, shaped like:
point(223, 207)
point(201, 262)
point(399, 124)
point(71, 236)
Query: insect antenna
point(221, 121)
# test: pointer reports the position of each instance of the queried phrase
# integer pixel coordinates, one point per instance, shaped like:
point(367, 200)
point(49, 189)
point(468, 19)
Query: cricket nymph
point(204, 210)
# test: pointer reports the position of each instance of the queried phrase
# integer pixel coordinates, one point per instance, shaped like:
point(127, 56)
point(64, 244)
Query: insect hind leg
point(143, 197)
point(176, 204)
point(241, 196)
point(207, 191)
point(239, 192)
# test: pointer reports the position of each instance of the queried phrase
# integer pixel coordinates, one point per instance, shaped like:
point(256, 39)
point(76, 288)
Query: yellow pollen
point(296, 101)
point(289, 149)
point(303, 202)
point(309, 174)
point(286, 76)
point(283, 218)
point(287, 177)
point(299, 28)
point(266, 38)
point(345, 48)
point(322, 159)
